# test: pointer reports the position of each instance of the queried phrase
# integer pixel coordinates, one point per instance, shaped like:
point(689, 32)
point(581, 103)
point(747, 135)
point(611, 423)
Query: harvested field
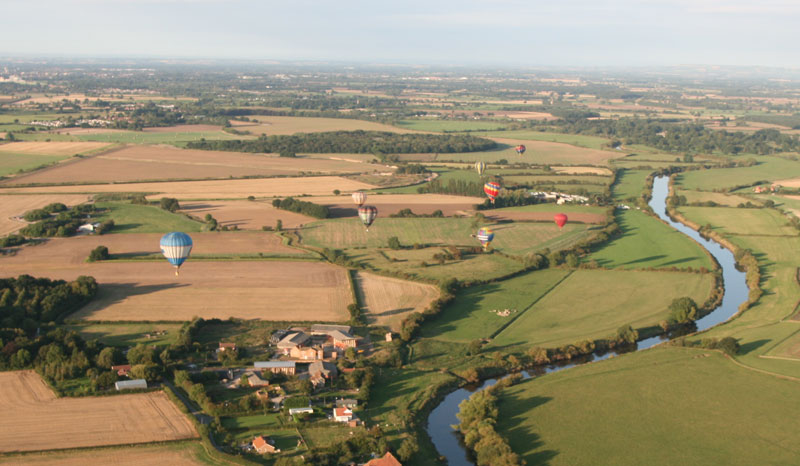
point(52, 148)
point(140, 162)
point(387, 204)
point(183, 129)
point(521, 216)
point(214, 189)
point(245, 215)
point(149, 291)
point(277, 125)
point(80, 131)
point(31, 412)
point(582, 170)
point(560, 153)
point(184, 454)
point(12, 206)
point(386, 301)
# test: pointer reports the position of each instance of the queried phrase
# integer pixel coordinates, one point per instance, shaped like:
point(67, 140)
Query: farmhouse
point(343, 340)
point(122, 370)
point(277, 367)
point(311, 353)
point(253, 379)
point(226, 347)
point(325, 329)
point(322, 369)
point(346, 403)
point(264, 445)
point(345, 415)
point(386, 460)
point(292, 340)
point(130, 384)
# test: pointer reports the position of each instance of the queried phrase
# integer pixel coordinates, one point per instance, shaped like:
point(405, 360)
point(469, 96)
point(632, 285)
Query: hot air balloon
point(492, 189)
point(485, 236)
point(480, 167)
point(561, 220)
point(367, 213)
point(520, 149)
point(360, 197)
point(176, 247)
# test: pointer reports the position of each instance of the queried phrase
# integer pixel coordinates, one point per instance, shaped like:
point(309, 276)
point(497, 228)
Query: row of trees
point(301, 207)
point(353, 142)
point(63, 224)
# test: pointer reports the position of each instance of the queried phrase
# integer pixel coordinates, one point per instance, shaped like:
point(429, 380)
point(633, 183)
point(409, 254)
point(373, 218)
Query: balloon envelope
point(367, 214)
point(561, 220)
point(492, 189)
point(485, 236)
point(176, 247)
point(520, 149)
point(360, 197)
point(480, 167)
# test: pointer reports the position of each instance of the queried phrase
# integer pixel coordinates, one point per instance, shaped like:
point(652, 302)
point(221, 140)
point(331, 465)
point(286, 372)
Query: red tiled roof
point(387, 460)
point(259, 442)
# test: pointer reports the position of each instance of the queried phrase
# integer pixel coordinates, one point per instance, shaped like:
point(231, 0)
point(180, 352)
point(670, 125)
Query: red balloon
point(561, 220)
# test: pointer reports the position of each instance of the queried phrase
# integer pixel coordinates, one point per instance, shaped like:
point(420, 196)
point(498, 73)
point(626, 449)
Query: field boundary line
point(754, 369)
point(783, 358)
point(504, 326)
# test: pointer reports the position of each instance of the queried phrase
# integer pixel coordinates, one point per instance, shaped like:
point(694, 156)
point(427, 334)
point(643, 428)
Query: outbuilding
point(134, 384)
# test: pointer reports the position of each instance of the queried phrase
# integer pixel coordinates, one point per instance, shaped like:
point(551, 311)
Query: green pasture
point(560, 180)
point(510, 238)
point(650, 166)
point(135, 218)
point(630, 184)
point(789, 347)
point(270, 420)
point(125, 335)
point(790, 203)
point(141, 137)
point(554, 208)
point(470, 317)
point(23, 118)
point(590, 142)
point(11, 163)
point(591, 304)
point(736, 221)
point(441, 126)
point(468, 175)
point(647, 242)
point(768, 169)
point(410, 261)
point(730, 200)
point(328, 435)
point(665, 406)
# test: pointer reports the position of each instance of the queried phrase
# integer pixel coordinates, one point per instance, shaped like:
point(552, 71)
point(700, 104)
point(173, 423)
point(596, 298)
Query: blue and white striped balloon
point(176, 247)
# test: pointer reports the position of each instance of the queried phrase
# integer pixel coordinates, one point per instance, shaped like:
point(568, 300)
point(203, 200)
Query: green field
point(731, 200)
point(595, 303)
point(555, 208)
point(768, 169)
point(630, 184)
point(11, 163)
point(445, 175)
point(441, 126)
point(322, 437)
point(665, 406)
point(510, 238)
point(470, 317)
point(590, 142)
point(134, 218)
point(140, 137)
point(647, 242)
point(125, 335)
point(736, 221)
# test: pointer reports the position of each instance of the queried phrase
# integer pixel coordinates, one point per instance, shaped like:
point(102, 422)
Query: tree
point(142, 354)
point(278, 225)
point(394, 243)
point(474, 347)
point(169, 204)
point(100, 253)
point(627, 334)
point(408, 448)
point(572, 260)
point(305, 387)
point(682, 310)
point(108, 357)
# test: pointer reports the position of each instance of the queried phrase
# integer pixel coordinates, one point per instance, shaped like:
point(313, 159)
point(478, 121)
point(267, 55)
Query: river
point(443, 416)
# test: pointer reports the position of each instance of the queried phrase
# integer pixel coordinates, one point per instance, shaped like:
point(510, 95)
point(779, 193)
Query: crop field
point(510, 238)
point(545, 213)
point(386, 301)
point(561, 181)
point(665, 396)
point(630, 184)
point(149, 291)
point(442, 126)
point(142, 163)
point(175, 454)
point(731, 221)
point(388, 204)
point(790, 347)
point(595, 303)
point(648, 242)
point(589, 142)
point(142, 137)
point(213, 189)
point(278, 125)
point(15, 205)
point(245, 215)
point(776, 169)
point(52, 148)
point(543, 152)
point(421, 263)
point(582, 170)
point(32, 412)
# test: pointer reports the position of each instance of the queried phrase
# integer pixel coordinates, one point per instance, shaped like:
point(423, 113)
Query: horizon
point(499, 33)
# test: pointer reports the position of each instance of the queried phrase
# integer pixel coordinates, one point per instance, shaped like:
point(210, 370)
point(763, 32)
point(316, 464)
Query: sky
point(527, 33)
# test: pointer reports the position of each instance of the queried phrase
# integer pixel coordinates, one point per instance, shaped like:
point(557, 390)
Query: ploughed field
point(34, 419)
point(141, 162)
point(245, 215)
point(52, 148)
